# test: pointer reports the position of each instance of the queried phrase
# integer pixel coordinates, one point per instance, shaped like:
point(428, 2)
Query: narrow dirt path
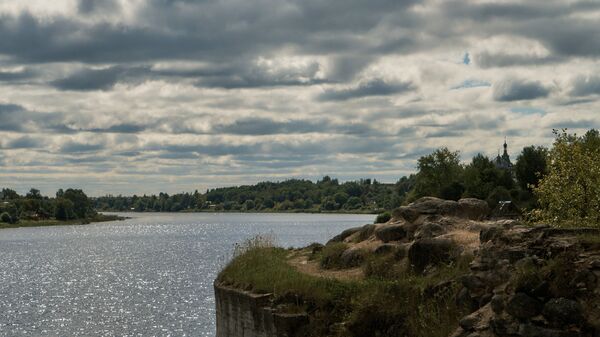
point(303, 265)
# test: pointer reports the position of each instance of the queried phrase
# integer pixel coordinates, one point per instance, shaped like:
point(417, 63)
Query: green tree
point(33, 194)
point(439, 174)
point(481, 177)
point(249, 205)
point(8, 194)
point(5, 217)
point(82, 207)
point(531, 166)
point(64, 209)
point(569, 194)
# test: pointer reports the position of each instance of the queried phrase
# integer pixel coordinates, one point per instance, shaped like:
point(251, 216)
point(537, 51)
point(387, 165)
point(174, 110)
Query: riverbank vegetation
point(405, 303)
point(68, 207)
point(325, 195)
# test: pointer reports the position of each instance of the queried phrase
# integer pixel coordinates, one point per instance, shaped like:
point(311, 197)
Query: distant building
point(503, 162)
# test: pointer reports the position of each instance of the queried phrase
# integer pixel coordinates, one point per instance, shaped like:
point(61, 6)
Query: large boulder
point(432, 205)
point(391, 233)
point(562, 312)
point(352, 257)
point(425, 206)
point(405, 212)
point(429, 230)
point(523, 306)
point(425, 252)
point(473, 209)
point(385, 248)
point(343, 235)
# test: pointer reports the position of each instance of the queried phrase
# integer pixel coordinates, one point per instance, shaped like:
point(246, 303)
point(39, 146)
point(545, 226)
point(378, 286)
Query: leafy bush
point(569, 195)
point(5, 217)
point(63, 210)
point(383, 217)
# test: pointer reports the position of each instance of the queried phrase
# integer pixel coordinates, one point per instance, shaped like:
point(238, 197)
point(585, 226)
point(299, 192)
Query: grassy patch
point(331, 255)
point(396, 303)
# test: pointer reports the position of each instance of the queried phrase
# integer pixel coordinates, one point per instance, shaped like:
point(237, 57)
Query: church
point(503, 162)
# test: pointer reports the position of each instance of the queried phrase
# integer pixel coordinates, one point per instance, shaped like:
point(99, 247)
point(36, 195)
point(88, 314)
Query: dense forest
point(70, 204)
point(326, 195)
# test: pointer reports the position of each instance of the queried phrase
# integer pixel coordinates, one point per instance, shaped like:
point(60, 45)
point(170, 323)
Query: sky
point(143, 96)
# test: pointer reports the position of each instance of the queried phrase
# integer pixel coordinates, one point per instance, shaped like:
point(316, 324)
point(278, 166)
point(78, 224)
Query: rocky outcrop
point(523, 282)
point(533, 281)
point(469, 208)
point(244, 314)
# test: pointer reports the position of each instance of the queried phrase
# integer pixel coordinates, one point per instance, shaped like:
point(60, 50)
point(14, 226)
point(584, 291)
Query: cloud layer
point(120, 96)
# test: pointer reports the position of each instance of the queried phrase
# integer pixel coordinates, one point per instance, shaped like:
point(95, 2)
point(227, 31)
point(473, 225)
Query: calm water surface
point(146, 276)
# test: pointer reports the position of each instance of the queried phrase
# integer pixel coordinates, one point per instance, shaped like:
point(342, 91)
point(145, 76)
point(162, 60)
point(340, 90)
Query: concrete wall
point(244, 314)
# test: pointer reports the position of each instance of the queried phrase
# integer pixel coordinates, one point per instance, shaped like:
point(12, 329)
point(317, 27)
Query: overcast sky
point(142, 96)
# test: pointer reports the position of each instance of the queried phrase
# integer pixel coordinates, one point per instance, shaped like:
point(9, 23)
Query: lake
point(150, 275)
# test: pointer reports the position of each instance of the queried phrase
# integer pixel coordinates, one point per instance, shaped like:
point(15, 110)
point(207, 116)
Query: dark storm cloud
point(91, 6)
point(194, 30)
point(16, 76)
point(376, 87)
point(565, 36)
point(11, 117)
point(504, 11)
point(238, 75)
point(575, 124)
point(18, 119)
point(492, 60)
point(346, 67)
point(99, 79)
point(585, 86)
point(517, 90)
point(266, 126)
point(120, 128)
point(25, 142)
point(254, 76)
point(77, 147)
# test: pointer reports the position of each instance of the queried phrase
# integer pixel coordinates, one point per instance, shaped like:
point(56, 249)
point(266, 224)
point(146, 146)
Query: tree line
point(69, 204)
point(327, 194)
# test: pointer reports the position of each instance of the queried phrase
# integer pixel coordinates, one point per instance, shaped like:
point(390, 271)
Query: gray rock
point(315, 247)
point(437, 206)
point(385, 248)
point(352, 257)
point(429, 230)
point(523, 306)
point(407, 213)
point(425, 252)
point(391, 233)
point(490, 233)
point(473, 209)
point(343, 235)
point(497, 303)
point(562, 312)
point(530, 330)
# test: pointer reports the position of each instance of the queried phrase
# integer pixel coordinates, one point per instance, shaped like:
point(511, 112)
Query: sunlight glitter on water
point(149, 275)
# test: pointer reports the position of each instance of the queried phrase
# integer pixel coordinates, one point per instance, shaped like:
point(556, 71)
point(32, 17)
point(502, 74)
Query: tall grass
point(387, 304)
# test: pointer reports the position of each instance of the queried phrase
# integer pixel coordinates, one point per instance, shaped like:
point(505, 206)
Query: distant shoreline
point(366, 212)
point(75, 222)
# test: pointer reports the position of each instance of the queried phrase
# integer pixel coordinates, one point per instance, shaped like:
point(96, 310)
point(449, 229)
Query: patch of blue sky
point(467, 84)
point(528, 110)
point(467, 59)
